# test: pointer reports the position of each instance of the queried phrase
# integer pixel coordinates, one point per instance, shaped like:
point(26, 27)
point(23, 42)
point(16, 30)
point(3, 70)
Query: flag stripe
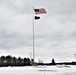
point(40, 11)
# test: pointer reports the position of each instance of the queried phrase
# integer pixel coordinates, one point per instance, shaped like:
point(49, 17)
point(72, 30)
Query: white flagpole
point(33, 36)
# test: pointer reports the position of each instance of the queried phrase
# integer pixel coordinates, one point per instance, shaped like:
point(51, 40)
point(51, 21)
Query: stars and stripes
point(40, 11)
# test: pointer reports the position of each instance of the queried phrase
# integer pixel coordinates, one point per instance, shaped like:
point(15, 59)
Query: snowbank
point(39, 70)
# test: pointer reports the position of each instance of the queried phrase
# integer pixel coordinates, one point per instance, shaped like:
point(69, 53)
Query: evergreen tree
point(53, 62)
point(8, 59)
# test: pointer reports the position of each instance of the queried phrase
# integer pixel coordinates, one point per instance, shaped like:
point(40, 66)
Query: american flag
point(40, 11)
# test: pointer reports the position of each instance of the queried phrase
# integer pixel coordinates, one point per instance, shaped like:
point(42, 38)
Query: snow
point(39, 70)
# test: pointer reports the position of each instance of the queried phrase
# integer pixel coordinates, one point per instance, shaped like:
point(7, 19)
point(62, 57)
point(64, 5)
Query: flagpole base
point(33, 63)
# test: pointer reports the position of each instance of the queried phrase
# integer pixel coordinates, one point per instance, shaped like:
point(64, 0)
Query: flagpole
point(33, 37)
point(42, 11)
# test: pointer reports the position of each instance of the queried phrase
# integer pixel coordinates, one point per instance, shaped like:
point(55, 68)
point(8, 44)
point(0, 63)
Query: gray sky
point(55, 32)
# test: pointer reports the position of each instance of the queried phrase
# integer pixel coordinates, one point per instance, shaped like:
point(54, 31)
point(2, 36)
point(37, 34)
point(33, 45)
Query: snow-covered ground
point(39, 70)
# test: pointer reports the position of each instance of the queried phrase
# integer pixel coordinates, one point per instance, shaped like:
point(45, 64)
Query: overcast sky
point(55, 32)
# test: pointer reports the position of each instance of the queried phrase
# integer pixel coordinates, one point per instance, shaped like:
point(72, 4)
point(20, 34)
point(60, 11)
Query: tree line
point(6, 61)
point(13, 61)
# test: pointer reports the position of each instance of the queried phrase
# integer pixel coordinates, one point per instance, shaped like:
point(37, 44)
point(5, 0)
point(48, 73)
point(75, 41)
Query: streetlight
point(75, 59)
